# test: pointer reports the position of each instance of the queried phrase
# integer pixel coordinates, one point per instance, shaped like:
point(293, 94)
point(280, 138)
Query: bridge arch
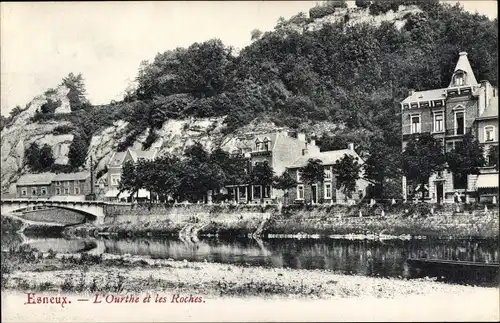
point(91, 211)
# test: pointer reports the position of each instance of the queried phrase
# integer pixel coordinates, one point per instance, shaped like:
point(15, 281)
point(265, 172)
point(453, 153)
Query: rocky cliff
point(173, 137)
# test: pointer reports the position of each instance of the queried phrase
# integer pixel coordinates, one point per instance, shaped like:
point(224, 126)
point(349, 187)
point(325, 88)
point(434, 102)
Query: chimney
point(313, 142)
point(488, 94)
point(410, 92)
point(304, 152)
point(301, 136)
point(350, 146)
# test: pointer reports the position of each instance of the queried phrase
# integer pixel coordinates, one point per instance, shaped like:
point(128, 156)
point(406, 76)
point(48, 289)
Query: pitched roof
point(80, 176)
point(491, 111)
point(464, 65)
point(429, 95)
point(146, 154)
point(326, 157)
point(35, 179)
point(117, 158)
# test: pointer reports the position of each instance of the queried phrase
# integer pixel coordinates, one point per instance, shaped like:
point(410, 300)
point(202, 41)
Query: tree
point(313, 172)
point(32, 156)
point(347, 170)
point(46, 157)
point(262, 174)
point(493, 156)
point(466, 158)
point(130, 179)
point(422, 156)
point(255, 34)
point(77, 92)
point(381, 167)
point(77, 152)
point(363, 3)
point(284, 182)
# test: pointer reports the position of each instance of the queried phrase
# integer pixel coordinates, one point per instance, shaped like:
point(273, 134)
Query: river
point(361, 257)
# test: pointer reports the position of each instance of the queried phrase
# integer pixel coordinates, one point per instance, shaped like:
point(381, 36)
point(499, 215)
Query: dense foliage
point(189, 178)
point(39, 159)
point(422, 156)
point(347, 170)
point(466, 158)
point(352, 75)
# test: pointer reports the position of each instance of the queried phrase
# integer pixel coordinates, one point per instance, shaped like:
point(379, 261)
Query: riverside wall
point(451, 220)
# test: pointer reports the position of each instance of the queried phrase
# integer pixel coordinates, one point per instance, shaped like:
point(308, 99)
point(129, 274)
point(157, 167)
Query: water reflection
point(370, 258)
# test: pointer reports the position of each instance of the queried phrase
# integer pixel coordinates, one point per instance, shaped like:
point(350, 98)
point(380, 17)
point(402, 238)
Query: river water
point(362, 257)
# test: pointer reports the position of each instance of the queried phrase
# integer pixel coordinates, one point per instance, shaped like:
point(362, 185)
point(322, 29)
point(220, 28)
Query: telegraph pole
point(92, 176)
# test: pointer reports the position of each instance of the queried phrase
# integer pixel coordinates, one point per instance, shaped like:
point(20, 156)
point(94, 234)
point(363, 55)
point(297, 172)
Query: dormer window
point(266, 144)
point(459, 79)
point(258, 144)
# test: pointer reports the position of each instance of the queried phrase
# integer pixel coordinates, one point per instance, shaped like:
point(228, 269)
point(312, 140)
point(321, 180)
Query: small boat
point(455, 270)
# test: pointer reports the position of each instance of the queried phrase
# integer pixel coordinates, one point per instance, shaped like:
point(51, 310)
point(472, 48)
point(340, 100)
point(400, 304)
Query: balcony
point(457, 131)
point(261, 153)
point(414, 135)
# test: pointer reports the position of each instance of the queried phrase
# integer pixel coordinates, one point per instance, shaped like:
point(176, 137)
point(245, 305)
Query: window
point(459, 79)
point(256, 189)
point(267, 192)
point(66, 183)
point(328, 191)
point(415, 124)
point(459, 181)
point(115, 179)
point(438, 122)
point(243, 193)
point(299, 179)
point(459, 123)
point(300, 192)
point(44, 191)
point(266, 144)
point(24, 192)
point(76, 182)
point(489, 133)
point(33, 191)
point(66, 191)
point(449, 146)
point(77, 191)
point(58, 183)
point(58, 191)
point(258, 145)
point(328, 173)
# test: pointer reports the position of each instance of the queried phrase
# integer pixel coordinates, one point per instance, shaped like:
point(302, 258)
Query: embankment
point(464, 221)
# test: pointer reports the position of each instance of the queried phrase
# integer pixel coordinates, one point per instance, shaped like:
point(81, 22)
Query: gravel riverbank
point(248, 293)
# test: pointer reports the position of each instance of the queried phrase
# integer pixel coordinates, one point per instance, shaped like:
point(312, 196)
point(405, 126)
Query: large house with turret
point(448, 114)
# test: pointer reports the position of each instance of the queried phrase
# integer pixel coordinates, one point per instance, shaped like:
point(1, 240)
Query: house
point(34, 185)
point(279, 149)
point(50, 185)
point(448, 114)
point(486, 183)
point(71, 185)
point(115, 164)
point(325, 191)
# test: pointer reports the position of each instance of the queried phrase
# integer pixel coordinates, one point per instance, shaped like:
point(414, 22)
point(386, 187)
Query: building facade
point(278, 149)
point(325, 191)
point(111, 180)
point(448, 114)
point(50, 185)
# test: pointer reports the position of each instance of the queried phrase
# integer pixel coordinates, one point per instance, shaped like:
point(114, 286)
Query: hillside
point(337, 73)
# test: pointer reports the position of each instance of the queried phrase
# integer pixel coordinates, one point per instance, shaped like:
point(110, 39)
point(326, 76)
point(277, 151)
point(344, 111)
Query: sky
point(42, 42)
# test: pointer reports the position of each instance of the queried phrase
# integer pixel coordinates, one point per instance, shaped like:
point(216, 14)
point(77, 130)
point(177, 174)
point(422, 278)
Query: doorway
point(315, 193)
point(439, 192)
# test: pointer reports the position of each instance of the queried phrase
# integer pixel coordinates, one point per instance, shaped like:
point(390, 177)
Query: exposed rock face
point(358, 15)
point(17, 137)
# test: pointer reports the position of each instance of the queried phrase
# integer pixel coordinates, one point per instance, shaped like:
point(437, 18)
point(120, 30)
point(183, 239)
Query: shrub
point(62, 130)
point(321, 11)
